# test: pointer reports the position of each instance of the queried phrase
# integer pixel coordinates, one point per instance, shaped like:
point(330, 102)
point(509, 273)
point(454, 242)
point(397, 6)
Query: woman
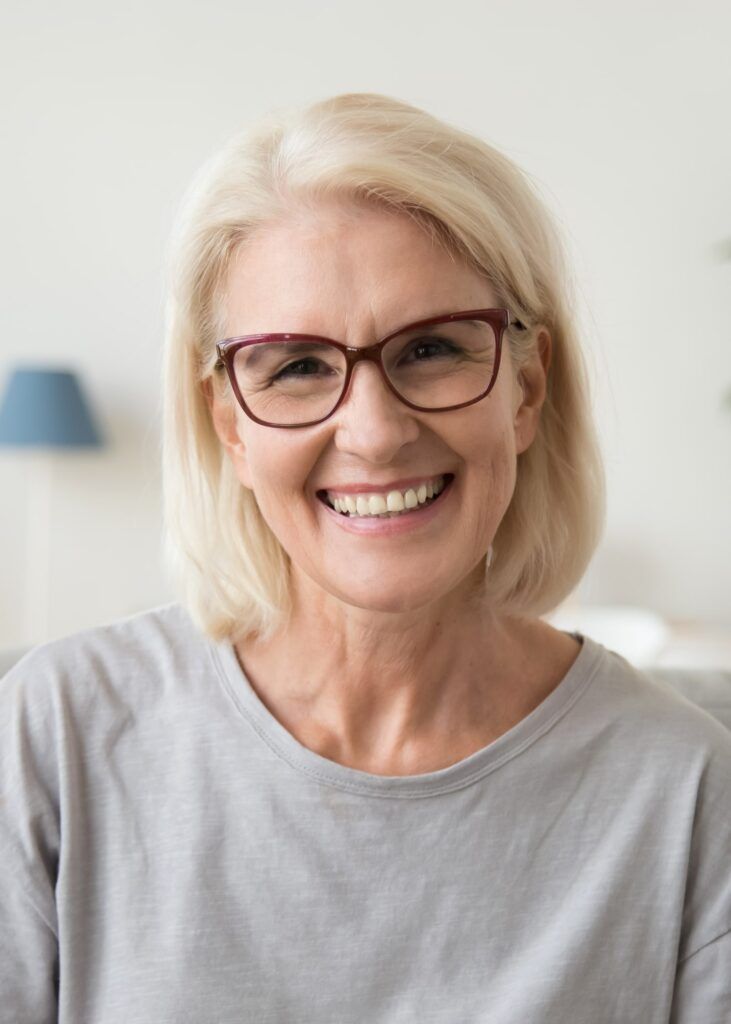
point(352, 775)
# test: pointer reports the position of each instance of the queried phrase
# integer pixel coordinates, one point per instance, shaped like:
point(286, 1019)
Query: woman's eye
point(302, 367)
point(432, 346)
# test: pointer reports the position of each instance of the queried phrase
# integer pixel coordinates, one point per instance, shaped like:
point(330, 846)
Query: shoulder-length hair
point(229, 569)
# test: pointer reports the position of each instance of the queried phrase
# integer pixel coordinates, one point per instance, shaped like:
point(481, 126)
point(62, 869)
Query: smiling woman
point(352, 775)
point(306, 212)
point(351, 272)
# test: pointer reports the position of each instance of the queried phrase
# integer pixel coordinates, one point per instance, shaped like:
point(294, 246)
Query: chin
point(395, 599)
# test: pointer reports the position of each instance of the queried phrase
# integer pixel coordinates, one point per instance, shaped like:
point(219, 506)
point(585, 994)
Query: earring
point(490, 554)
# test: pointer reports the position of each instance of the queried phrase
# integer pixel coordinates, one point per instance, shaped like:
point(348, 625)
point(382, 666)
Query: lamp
point(43, 409)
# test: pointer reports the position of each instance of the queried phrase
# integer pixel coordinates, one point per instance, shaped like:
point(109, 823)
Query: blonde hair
point(229, 569)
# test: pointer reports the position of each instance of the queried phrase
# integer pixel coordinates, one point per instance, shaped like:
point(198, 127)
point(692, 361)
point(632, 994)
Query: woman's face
point(356, 274)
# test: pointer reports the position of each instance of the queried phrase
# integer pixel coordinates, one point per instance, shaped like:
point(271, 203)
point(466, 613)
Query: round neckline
point(455, 776)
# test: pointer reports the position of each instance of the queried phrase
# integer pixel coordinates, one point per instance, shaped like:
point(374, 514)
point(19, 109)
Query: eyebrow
point(254, 353)
point(436, 327)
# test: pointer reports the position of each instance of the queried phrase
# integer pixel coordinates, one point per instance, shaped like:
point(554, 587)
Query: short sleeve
point(703, 985)
point(29, 836)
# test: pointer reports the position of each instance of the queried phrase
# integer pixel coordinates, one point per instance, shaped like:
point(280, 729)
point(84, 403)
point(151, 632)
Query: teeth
point(376, 505)
point(393, 503)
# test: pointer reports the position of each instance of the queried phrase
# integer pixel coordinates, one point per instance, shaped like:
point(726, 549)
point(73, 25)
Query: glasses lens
point(443, 364)
point(290, 382)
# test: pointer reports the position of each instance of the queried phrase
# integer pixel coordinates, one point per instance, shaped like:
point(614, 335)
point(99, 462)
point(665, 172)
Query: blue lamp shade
point(46, 408)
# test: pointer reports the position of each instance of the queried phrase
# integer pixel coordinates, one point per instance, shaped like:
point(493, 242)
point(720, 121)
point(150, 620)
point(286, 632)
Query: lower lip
point(373, 526)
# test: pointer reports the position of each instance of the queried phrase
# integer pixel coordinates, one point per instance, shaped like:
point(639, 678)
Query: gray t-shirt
point(169, 853)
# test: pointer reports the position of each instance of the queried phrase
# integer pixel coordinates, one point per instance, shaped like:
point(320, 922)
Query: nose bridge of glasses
point(369, 354)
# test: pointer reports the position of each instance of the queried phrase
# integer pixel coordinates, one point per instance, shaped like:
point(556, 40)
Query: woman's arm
point(29, 843)
point(703, 984)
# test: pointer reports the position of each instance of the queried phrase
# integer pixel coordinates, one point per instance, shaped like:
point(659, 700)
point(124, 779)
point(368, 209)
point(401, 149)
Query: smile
point(386, 505)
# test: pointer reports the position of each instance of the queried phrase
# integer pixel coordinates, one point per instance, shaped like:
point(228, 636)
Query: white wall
point(620, 113)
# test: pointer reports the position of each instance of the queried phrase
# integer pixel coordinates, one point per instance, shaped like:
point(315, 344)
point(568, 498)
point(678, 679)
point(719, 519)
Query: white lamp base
point(38, 548)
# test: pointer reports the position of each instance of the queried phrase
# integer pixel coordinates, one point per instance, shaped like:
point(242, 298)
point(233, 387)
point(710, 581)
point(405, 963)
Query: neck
point(397, 692)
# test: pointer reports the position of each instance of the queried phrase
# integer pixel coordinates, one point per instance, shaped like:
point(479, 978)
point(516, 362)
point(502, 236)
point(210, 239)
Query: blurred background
point(619, 114)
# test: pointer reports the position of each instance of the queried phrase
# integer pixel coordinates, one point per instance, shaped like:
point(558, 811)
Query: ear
point(530, 391)
point(224, 416)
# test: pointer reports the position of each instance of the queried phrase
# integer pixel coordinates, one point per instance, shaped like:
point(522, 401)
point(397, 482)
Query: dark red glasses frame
point(499, 319)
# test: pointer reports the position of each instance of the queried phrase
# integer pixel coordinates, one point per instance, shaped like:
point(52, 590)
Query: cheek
point(503, 463)
point(492, 480)
point(279, 469)
point(505, 472)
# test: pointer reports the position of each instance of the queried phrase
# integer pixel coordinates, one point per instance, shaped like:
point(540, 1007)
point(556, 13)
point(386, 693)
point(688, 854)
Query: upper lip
point(393, 485)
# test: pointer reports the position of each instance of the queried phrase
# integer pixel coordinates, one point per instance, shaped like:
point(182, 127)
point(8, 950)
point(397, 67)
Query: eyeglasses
point(433, 365)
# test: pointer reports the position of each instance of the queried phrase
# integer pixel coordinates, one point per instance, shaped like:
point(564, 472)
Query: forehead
point(346, 271)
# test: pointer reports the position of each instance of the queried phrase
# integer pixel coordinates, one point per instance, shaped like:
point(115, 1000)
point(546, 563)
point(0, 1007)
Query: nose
point(371, 421)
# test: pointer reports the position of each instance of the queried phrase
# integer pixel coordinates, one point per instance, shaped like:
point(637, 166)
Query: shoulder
point(648, 710)
point(147, 632)
point(669, 765)
point(69, 701)
point(638, 714)
point(668, 749)
point(102, 665)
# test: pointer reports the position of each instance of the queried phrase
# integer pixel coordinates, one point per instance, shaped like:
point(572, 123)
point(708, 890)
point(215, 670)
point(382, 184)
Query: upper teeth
point(378, 503)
